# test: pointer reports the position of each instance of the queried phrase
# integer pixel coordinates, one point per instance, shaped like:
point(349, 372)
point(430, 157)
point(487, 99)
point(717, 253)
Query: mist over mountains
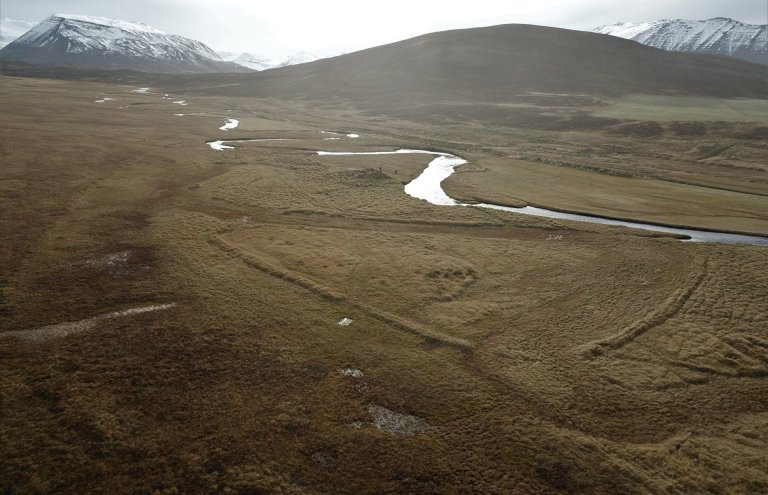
point(10, 29)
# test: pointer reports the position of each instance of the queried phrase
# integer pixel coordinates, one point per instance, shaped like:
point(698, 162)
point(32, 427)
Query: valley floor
point(170, 313)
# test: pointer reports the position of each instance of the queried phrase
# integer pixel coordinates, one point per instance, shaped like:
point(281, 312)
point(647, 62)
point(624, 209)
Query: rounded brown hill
point(493, 63)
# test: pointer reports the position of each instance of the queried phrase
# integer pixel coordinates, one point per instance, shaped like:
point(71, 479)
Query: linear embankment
point(671, 306)
point(336, 297)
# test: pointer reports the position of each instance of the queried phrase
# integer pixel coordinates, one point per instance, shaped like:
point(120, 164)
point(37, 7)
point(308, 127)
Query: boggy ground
point(497, 353)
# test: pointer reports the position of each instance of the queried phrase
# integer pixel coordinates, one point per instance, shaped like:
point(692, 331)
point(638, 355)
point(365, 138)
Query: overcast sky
point(279, 27)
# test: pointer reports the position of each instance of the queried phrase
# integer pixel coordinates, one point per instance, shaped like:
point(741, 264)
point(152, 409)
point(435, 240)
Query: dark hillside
point(492, 64)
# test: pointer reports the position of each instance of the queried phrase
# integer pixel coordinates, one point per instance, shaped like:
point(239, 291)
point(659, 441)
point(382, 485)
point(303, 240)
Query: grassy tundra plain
point(488, 352)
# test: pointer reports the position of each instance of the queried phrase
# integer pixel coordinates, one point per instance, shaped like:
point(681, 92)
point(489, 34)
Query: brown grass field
point(497, 353)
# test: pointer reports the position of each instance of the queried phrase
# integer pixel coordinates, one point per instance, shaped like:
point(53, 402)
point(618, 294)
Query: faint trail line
point(739, 373)
point(716, 152)
point(333, 296)
point(71, 327)
point(668, 309)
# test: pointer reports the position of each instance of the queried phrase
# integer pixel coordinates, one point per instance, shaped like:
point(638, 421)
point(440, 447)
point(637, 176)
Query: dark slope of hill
point(492, 64)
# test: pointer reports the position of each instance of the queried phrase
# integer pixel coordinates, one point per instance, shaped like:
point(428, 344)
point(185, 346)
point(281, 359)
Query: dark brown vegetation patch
point(647, 129)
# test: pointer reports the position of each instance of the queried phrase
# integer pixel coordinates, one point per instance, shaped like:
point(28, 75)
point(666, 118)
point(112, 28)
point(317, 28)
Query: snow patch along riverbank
point(219, 146)
point(230, 124)
point(427, 185)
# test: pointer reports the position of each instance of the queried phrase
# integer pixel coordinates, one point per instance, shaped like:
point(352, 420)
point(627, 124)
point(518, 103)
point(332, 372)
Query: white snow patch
point(230, 124)
point(179, 114)
point(219, 146)
point(427, 185)
point(351, 372)
point(141, 90)
point(104, 100)
point(353, 136)
point(345, 322)
point(183, 103)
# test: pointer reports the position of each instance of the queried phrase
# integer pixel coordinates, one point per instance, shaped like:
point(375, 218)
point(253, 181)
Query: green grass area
point(687, 108)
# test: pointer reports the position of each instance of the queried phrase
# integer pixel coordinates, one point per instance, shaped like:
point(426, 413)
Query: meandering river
point(427, 186)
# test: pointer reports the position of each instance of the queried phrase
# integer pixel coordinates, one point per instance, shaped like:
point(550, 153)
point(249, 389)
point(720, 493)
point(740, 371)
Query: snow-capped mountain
point(299, 58)
point(249, 60)
point(720, 36)
point(10, 29)
point(87, 42)
point(257, 62)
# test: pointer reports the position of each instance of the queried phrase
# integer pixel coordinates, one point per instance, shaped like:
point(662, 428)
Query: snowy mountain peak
point(299, 58)
point(719, 35)
point(115, 23)
point(89, 42)
point(87, 33)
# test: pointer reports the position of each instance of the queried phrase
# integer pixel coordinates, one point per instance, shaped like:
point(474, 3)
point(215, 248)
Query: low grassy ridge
point(497, 353)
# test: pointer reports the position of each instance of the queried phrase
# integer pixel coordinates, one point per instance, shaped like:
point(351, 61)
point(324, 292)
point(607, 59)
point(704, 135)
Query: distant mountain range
point(86, 42)
point(257, 62)
point(718, 36)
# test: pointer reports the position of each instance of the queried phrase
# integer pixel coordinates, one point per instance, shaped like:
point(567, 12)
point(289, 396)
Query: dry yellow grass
point(509, 181)
point(476, 322)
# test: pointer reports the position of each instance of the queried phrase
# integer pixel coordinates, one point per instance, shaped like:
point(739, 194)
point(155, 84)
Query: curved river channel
point(427, 186)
